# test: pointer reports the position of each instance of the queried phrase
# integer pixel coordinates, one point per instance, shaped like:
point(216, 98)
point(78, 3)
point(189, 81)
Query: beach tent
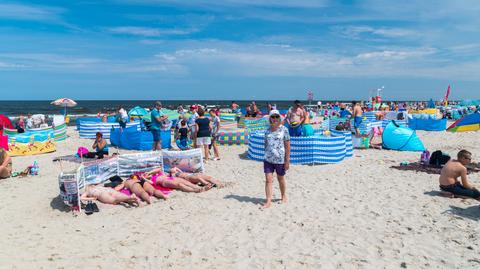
point(401, 138)
point(5, 122)
point(137, 112)
point(467, 123)
point(134, 139)
point(428, 124)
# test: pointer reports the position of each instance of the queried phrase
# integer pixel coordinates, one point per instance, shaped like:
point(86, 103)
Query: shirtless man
point(455, 169)
point(357, 116)
point(295, 119)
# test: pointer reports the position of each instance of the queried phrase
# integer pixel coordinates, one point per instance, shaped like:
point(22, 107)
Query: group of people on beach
point(201, 130)
point(144, 186)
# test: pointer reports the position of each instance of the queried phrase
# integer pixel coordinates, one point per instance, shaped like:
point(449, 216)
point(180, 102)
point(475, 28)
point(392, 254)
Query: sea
point(93, 107)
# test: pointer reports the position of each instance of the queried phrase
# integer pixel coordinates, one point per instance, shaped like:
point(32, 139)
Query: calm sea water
point(15, 108)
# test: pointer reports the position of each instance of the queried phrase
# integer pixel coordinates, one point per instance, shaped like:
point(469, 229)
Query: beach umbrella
point(65, 102)
point(137, 112)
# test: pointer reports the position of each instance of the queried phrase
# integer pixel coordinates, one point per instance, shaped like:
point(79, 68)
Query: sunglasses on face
point(275, 116)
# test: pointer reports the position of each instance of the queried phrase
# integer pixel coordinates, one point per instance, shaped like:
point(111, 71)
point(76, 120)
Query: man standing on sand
point(295, 119)
point(157, 118)
point(277, 156)
point(357, 116)
point(454, 169)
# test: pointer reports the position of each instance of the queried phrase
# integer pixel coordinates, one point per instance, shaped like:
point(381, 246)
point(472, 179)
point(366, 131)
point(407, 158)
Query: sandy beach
point(360, 213)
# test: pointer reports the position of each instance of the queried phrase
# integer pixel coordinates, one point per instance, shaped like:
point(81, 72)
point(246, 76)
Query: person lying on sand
point(195, 178)
point(5, 164)
point(454, 169)
point(157, 177)
point(141, 188)
point(107, 196)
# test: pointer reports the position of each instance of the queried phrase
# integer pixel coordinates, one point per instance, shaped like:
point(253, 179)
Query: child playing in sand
point(277, 156)
point(454, 169)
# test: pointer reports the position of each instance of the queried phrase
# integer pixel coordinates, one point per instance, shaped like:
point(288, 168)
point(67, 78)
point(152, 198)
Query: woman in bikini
point(157, 177)
point(107, 196)
point(195, 178)
point(141, 188)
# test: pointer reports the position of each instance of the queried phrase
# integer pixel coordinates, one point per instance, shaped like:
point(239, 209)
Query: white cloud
point(149, 32)
point(29, 12)
point(396, 54)
point(228, 3)
point(357, 32)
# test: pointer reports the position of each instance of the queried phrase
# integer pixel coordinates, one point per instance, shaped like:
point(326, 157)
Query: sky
point(239, 49)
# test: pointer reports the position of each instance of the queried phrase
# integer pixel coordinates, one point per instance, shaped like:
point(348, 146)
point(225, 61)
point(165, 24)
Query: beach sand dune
point(360, 213)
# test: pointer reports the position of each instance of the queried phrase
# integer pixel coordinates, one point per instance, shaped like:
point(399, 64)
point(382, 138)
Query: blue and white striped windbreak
point(88, 129)
point(305, 150)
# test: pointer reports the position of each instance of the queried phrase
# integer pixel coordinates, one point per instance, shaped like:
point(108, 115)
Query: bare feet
point(267, 204)
point(133, 200)
point(284, 200)
point(205, 188)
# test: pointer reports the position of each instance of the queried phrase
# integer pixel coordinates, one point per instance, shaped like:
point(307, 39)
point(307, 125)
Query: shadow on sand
point(243, 156)
point(57, 204)
point(472, 212)
point(246, 199)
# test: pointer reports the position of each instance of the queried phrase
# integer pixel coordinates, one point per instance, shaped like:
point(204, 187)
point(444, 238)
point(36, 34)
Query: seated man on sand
point(5, 164)
point(454, 169)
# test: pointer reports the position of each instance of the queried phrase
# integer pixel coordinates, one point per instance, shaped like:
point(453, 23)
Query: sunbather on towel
point(107, 196)
point(141, 187)
point(157, 177)
point(454, 169)
point(5, 164)
point(195, 178)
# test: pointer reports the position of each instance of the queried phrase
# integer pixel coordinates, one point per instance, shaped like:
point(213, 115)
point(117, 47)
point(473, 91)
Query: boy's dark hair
point(184, 122)
point(463, 154)
point(99, 134)
point(201, 111)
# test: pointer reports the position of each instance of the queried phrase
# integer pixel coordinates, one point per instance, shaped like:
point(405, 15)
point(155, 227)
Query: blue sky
point(239, 49)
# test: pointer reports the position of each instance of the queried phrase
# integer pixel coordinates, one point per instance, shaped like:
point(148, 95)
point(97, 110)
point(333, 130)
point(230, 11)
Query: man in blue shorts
point(157, 118)
point(357, 117)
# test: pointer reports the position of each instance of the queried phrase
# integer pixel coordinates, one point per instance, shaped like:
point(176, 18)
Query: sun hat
point(273, 112)
point(193, 107)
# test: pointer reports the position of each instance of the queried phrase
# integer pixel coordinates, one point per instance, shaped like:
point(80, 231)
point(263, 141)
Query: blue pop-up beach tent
point(427, 124)
point(401, 138)
point(134, 139)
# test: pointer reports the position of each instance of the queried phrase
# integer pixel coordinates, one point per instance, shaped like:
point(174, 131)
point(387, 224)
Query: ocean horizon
point(89, 107)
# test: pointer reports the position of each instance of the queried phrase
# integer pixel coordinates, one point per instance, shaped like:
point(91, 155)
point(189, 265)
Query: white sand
point(357, 214)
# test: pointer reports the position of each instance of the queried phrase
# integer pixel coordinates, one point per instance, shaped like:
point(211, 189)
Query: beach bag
point(438, 158)
point(82, 151)
point(425, 157)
